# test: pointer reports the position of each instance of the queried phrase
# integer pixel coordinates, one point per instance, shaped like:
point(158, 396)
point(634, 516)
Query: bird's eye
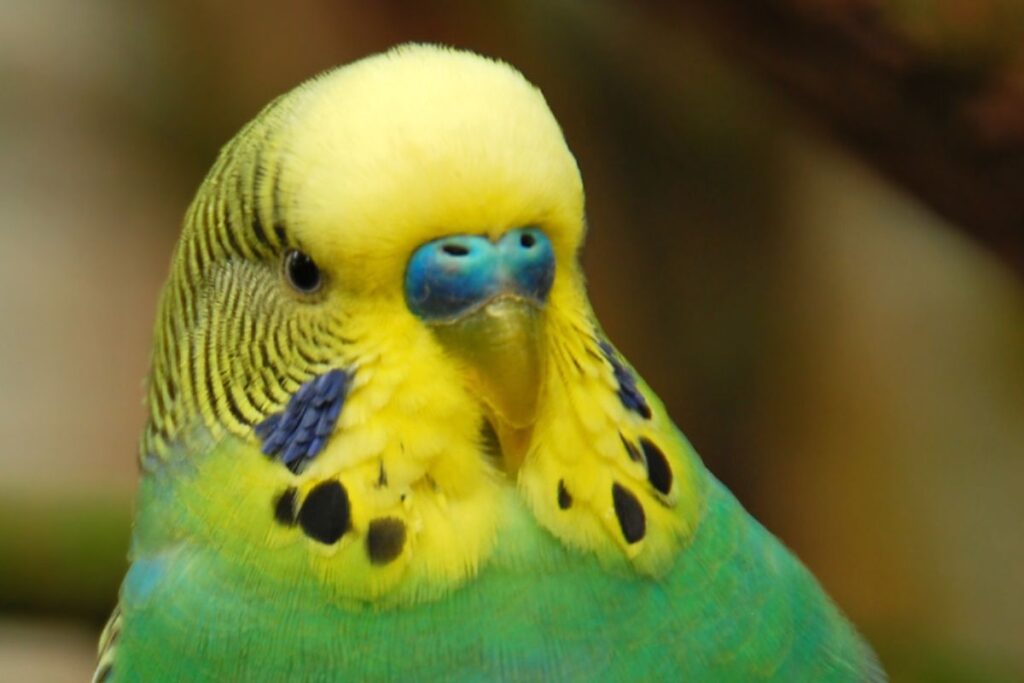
point(302, 272)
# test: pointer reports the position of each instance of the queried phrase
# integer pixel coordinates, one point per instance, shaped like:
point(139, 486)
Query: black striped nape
point(229, 347)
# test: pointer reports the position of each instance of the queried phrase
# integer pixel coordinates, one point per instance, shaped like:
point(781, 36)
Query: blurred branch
point(932, 96)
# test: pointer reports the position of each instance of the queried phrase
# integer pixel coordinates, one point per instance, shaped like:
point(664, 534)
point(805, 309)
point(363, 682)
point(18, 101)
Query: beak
point(485, 303)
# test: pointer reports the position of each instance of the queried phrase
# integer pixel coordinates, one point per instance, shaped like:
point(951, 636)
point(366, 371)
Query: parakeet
point(388, 440)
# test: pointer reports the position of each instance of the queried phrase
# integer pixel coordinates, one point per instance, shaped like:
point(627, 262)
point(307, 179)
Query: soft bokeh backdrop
point(847, 360)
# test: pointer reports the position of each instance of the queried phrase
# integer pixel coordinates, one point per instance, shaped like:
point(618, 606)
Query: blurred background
point(807, 233)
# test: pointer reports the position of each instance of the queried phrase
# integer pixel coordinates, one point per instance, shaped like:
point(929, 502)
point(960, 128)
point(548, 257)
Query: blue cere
point(628, 393)
point(298, 433)
point(453, 275)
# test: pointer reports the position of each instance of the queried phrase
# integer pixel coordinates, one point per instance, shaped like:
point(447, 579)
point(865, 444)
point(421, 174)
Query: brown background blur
point(847, 360)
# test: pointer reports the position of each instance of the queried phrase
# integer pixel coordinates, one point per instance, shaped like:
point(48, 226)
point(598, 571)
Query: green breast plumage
point(736, 607)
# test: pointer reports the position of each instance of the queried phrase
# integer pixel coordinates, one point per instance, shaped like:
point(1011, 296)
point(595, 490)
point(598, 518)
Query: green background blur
point(848, 363)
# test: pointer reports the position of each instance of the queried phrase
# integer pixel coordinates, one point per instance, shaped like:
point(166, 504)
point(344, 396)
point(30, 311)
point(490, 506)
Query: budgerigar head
point(436, 193)
point(377, 286)
point(331, 206)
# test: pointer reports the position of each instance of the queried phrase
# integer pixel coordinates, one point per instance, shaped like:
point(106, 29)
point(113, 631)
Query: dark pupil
point(302, 272)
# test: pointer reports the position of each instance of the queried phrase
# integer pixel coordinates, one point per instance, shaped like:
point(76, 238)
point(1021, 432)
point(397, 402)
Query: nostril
point(527, 240)
point(455, 250)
